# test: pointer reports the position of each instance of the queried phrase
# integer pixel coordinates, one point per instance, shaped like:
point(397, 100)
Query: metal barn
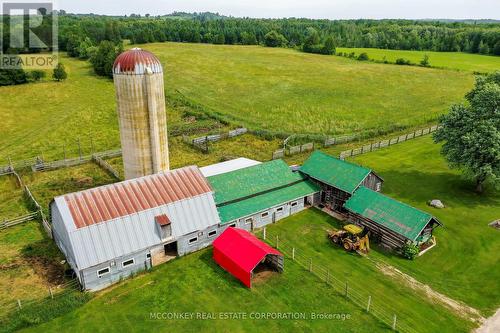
point(109, 232)
point(338, 179)
point(255, 196)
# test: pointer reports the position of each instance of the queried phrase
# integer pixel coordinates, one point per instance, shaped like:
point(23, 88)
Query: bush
point(59, 73)
point(410, 251)
point(363, 56)
point(37, 75)
point(425, 61)
point(274, 39)
point(403, 61)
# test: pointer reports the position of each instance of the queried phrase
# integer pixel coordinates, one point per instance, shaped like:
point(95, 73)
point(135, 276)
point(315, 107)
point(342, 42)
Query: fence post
point(79, 149)
point(293, 253)
point(394, 322)
point(264, 234)
point(346, 289)
point(369, 303)
point(19, 304)
point(91, 144)
point(50, 293)
point(64, 150)
point(277, 241)
point(310, 265)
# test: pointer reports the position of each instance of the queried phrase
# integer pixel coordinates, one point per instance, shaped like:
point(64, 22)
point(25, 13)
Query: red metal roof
point(135, 61)
point(162, 220)
point(125, 198)
point(239, 252)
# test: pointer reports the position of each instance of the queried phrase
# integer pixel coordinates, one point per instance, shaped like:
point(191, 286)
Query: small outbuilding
point(239, 253)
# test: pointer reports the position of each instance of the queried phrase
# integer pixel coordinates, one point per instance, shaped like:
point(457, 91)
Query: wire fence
point(7, 308)
point(379, 308)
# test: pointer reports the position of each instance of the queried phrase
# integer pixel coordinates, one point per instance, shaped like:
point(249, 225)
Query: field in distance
point(288, 91)
point(452, 60)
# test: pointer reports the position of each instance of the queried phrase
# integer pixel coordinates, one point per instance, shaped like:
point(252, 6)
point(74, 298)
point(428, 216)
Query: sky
point(328, 9)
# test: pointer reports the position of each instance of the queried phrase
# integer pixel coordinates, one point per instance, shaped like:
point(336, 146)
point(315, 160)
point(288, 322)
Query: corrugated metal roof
point(250, 181)
point(343, 175)
point(264, 201)
point(135, 61)
point(132, 196)
point(228, 166)
point(397, 216)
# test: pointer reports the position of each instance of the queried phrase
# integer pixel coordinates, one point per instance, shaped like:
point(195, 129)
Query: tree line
point(99, 38)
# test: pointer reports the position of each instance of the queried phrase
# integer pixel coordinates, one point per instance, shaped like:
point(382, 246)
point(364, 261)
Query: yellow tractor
point(351, 238)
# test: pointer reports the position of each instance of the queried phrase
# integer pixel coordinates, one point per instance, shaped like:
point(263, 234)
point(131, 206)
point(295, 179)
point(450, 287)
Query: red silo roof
point(135, 61)
point(108, 202)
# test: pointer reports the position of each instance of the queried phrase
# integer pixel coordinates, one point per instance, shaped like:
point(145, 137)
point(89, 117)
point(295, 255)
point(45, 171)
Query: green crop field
point(280, 90)
point(453, 60)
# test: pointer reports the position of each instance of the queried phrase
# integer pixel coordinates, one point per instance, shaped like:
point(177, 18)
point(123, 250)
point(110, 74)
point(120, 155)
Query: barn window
point(293, 204)
point(232, 225)
point(212, 233)
point(193, 240)
point(148, 255)
point(266, 214)
point(279, 210)
point(103, 272)
point(249, 220)
point(127, 263)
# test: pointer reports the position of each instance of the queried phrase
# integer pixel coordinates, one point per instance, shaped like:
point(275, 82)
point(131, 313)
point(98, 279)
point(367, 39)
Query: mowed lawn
point(465, 263)
point(453, 60)
point(285, 90)
point(195, 285)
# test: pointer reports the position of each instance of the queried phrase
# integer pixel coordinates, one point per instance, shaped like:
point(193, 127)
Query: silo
point(140, 99)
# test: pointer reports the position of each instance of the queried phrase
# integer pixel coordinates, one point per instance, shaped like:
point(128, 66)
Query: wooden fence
point(106, 166)
point(339, 139)
point(18, 220)
point(292, 150)
point(385, 143)
point(41, 165)
point(202, 143)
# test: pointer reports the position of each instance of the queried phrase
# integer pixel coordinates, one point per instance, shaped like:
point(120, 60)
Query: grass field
point(263, 88)
point(464, 264)
point(453, 60)
point(195, 284)
point(285, 90)
point(12, 202)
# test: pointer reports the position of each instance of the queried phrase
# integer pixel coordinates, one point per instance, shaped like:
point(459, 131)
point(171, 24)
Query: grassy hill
point(452, 60)
point(264, 88)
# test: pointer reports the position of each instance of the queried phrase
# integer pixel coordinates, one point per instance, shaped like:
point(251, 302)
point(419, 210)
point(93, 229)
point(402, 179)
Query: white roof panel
point(228, 166)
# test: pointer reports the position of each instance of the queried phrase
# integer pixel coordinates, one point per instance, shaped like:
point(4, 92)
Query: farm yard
point(278, 90)
point(449, 60)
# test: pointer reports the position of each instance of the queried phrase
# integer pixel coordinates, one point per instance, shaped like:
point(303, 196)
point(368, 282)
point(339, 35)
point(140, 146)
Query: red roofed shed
point(239, 252)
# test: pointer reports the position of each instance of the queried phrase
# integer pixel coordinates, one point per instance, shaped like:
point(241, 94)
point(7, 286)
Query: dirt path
point(458, 307)
point(490, 325)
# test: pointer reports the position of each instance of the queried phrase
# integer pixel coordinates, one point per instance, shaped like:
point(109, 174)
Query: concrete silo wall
point(143, 124)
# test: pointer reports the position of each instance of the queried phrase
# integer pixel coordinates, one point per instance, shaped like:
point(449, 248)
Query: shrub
point(403, 61)
point(410, 251)
point(274, 39)
point(363, 56)
point(425, 61)
point(37, 75)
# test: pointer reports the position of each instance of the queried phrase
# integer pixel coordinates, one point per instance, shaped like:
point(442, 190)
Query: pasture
point(450, 60)
point(279, 90)
point(464, 264)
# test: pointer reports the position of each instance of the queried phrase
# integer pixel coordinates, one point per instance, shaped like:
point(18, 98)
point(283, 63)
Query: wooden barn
point(391, 222)
point(338, 179)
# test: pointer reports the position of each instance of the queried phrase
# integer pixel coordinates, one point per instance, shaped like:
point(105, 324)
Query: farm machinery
point(351, 238)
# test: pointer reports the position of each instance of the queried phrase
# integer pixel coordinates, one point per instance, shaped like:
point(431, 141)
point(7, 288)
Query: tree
point(274, 39)
point(37, 75)
point(484, 48)
point(59, 73)
point(425, 61)
point(329, 47)
point(219, 39)
point(248, 38)
point(410, 251)
point(103, 58)
point(471, 133)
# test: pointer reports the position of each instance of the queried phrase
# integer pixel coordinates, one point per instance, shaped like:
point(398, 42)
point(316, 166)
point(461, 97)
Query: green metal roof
point(239, 209)
point(343, 175)
point(397, 216)
point(253, 180)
